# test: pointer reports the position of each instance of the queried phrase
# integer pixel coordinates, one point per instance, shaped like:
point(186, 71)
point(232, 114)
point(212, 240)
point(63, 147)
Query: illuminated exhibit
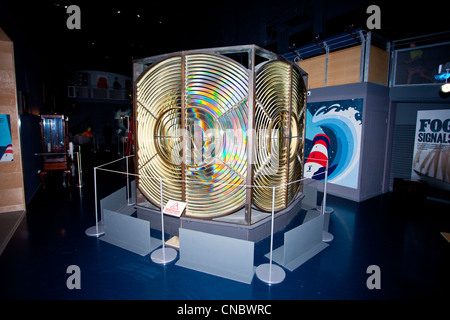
point(205, 174)
point(221, 127)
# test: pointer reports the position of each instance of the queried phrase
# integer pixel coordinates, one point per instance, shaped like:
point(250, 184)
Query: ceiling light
point(445, 88)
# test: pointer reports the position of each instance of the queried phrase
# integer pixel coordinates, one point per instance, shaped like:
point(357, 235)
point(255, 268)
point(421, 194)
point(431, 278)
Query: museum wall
point(344, 67)
point(11, 178)
point(375, 120)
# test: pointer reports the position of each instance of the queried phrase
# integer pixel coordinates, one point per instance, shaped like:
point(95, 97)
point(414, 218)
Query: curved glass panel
point(199, 145)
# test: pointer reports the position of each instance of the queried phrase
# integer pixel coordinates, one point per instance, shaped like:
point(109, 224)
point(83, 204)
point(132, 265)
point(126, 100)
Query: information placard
point(174, 208)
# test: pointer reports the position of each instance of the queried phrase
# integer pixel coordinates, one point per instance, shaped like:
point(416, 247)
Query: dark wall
point(38, 91)
point(406, 101)
point(31, 144)
point(93, 114)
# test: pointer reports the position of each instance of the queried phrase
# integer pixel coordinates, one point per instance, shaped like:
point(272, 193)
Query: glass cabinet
point(55, 144)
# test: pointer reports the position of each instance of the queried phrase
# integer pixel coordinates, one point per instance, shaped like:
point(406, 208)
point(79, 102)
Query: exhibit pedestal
point(230, 226)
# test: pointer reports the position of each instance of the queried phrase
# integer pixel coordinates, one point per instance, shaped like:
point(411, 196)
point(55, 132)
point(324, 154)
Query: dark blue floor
point(404, 243)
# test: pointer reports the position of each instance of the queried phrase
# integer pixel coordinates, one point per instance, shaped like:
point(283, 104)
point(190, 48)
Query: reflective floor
point(403, 240)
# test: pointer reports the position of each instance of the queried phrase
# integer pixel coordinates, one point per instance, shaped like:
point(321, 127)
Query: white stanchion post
point(324, 202)
point(163, 255)
point(326, 236)
point(80, 182)
point(128, 183)
point(96, 230)
point(162, 219)
point(268, 273)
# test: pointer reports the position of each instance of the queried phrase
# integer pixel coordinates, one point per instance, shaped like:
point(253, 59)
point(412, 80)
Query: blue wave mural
point(341, 122)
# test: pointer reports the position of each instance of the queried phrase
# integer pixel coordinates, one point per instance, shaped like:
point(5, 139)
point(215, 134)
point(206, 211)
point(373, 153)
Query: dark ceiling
point(115, 32)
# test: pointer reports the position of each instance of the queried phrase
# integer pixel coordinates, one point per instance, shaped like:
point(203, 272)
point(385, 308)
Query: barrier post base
point(270, 274)
point(327, 237)
point(163, 255)
point(95, 231)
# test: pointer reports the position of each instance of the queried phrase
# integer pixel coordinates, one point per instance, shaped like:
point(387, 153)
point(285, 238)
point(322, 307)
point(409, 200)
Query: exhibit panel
point(431, 161)
point(339, 124)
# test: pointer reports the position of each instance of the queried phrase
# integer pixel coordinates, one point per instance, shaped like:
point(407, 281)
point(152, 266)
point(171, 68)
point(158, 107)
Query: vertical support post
point(367, 56)
point(183, 127)
point(79, 168)
point(80, 172)
point(288, 135)
point(250, 137)
point(324, 202)
point(163, 255)
point(271, 234)
point(128, 130)
point(135, 124)
point(162, 218)
point(128, 183)
point(95, 230)
point(267, 272)
point(96, 202)
point(362, 56)
point(326, 236)
point(392, 64)
point(327, 54)
point(388, 50)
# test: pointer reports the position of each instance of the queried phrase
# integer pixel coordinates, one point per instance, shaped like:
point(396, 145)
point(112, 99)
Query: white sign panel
point(431, 161)
point(174, 208)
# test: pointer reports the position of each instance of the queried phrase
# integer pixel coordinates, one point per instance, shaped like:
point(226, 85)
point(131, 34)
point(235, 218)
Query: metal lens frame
point(192, 129)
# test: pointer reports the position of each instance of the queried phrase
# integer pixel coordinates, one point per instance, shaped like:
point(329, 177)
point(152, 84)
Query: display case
point(55, 143)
